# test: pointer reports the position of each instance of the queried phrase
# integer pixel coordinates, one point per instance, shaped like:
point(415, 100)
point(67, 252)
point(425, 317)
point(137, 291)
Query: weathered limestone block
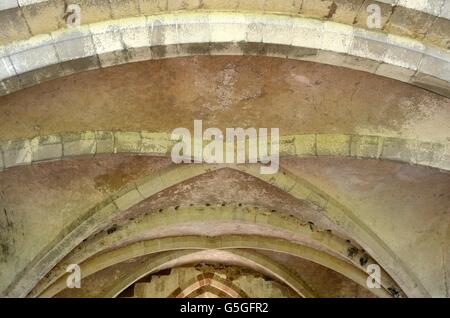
point(124, 8)
point(253, 42)
point(251, 5)
point(404, 52)
point(32, 54)
point(315, 8)
point(11, 84)
point(13, 26)
point(136, 39)
point(226, 31)
point(280, 180)
point(127, 142)
point(307, 33)
point(287, 146)
point(327, 57)
point(432, 83)
point(344, 11)
point(305, 145)
point(365, 146)
point(194, 28)
point(227, 28)
point(17, 152)
point(175, 5)
point(194, 34)
point(333, 145)
point(445, 10)
point(411, 23)
point(396, 72)
point(150, 185)
point(46, 148)
point(220, 4)
point(104, 141)
point(77, 144)
point(157, 143)
point(8, 4)
point(337, 37)
point(79, 65)
point(24, 3)
point(225, 49)
point(399, 150)
point(320, 201)
point(40, 75)
point(361, 64)
point(429, 153)
point(174, 176)
point(2, 162)
point(73, 43)
point(164, 36)
point(282, 6)
point(436, 63)
point(432, 7)
point(368, 44)
point(446, 158)
point(439, 32)
point(300, 53)
point(44, 17)
point(152, 6)
point(108, 43)
point(6, 68)
point(128, 199)
point(3, 89)
point(277, 30)
point(441, 157)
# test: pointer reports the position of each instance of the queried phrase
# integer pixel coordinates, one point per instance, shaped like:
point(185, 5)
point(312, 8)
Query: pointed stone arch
point(217, 33)
point(99, 216)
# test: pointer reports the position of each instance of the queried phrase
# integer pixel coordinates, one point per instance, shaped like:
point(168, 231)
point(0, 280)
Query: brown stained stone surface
point(324, 281)
point(298, 97)
point(40, 201)
point(405, 206)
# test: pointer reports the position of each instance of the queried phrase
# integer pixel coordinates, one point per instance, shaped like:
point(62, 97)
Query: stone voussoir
point(46, 148)
point(78, 144)
point(127, 142)
point(333, 145)
point(16, 152)
point(88, 143)
point(162, 36)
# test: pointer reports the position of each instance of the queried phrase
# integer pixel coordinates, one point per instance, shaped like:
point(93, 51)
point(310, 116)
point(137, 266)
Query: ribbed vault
point(86, 175)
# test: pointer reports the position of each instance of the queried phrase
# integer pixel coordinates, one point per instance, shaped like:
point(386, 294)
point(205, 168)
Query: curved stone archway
point(168, 36)
point(433, 15)
point(90, 143)
point(144, 188)
point(363, 159)
point(119, 255)
point(251, 220)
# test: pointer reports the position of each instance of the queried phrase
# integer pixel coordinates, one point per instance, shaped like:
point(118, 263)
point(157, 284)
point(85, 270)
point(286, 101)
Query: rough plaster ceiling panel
point(408, 208)
point(50, 196)
point(299, 97)
point(58, 203)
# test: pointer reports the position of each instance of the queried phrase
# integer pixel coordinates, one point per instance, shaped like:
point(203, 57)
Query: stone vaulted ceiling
point(87, 178)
